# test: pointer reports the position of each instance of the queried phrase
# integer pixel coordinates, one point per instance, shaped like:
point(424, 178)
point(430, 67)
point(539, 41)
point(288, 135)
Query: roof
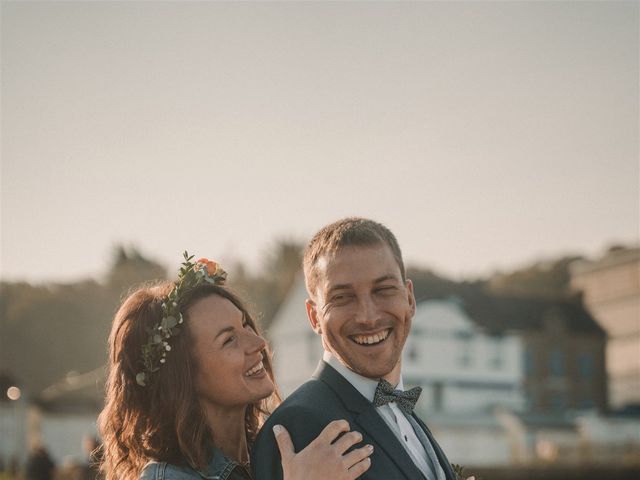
point(499, 314)
point(75, 393)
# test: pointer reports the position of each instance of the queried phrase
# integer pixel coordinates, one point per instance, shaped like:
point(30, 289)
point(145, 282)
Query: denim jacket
point(219, 468)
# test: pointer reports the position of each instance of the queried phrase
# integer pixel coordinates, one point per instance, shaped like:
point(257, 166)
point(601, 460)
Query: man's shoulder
point(305, 412)
point(312, 397)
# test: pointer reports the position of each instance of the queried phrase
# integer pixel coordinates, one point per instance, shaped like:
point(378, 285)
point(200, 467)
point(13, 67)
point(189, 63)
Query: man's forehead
point(357, 263)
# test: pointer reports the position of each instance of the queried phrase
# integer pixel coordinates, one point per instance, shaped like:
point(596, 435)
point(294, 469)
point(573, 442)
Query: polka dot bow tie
point(405, 400)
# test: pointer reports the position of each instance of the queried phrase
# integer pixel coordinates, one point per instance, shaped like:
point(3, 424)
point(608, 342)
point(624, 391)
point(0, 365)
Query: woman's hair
point(163, 420)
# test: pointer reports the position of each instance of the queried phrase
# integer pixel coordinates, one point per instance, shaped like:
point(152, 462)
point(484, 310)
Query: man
point(362, 305)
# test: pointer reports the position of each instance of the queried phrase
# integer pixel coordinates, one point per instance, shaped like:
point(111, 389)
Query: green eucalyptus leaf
point(141, 379)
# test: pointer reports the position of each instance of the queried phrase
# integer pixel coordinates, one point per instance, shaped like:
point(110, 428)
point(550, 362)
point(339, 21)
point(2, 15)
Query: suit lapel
point(368, 420)
point(442, 458)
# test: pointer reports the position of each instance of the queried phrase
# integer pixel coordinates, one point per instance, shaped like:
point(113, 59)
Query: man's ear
point(411, 297)
point(312, 314)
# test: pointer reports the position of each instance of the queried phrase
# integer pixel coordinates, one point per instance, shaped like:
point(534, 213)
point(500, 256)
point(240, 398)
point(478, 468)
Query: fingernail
point(370, 448)
point(277, 429)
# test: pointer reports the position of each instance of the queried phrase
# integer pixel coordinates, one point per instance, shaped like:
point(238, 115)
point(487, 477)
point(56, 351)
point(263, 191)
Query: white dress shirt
point(390, 413)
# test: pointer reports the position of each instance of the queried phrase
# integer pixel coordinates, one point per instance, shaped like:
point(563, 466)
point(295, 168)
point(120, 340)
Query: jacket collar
point(220, 467)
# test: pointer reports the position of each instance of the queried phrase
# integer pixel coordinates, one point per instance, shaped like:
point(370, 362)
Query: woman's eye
point(229, 340)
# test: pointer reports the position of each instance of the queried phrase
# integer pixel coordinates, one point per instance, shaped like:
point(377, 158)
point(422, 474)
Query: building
point(563, 349)
point(296, 347)
point(611, 289)
point(461, 367)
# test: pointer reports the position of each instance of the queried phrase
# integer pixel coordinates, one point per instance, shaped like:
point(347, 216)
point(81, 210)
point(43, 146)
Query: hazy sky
point(484, 134)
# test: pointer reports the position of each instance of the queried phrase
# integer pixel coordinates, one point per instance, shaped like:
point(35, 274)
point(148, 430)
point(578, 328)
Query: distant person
point(189, 381)
point(39, 465)
point(362, 305)
point(93, 457)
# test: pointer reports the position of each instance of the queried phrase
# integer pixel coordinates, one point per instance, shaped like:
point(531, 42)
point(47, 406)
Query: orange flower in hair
point(210, 265)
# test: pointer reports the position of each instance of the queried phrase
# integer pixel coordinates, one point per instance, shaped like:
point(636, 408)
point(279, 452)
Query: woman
point(190, 381)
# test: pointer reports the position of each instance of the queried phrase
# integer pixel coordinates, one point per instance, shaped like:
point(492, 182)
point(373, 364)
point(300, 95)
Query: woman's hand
point(325, 457)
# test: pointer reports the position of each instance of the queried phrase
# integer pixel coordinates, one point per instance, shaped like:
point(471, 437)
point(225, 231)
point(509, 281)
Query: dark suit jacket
point(329, 396)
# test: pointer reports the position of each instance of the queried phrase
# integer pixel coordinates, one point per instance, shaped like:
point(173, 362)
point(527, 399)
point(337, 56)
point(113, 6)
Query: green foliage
point(548, 280)
point(130, 268)
point(269, 288)
point(460, 472)
point(51, 330)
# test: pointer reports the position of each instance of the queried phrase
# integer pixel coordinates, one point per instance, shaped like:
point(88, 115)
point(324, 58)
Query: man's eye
point(388, 290)
point(341, 298)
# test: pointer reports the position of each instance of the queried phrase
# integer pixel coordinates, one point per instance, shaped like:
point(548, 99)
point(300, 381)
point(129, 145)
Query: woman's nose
point(256, 342)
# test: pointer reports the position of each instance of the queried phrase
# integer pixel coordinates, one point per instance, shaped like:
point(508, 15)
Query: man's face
point(362, 309)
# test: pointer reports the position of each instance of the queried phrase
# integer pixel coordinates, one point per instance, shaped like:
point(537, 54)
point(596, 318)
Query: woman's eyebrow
point(225, 330)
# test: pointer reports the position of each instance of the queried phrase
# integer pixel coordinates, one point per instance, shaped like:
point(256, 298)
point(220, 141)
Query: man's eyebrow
point(340, 286)
point(384, 278)
point(346, 286)
point(225, 330)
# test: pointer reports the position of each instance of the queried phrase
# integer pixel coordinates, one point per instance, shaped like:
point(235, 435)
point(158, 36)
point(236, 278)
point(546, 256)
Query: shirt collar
point(366, 386)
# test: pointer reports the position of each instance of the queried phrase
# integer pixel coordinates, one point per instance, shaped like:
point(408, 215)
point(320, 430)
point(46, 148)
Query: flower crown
point(191, 275)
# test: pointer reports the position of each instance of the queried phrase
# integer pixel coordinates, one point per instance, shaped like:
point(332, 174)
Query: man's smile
point(371, 338)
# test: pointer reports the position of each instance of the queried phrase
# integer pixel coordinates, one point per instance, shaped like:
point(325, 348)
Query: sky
point(486, 135)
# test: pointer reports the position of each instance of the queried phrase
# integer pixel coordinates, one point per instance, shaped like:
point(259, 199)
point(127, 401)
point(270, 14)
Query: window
point(587, 403)
point(529, 361)
point(556, 362)
point(495, 361)
point(464, 346)
point(437, 396)
point(558, 401)
point(585, 365)
point(412, 352)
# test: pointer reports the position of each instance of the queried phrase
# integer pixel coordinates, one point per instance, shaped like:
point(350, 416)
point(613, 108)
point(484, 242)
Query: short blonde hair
point(351, 231)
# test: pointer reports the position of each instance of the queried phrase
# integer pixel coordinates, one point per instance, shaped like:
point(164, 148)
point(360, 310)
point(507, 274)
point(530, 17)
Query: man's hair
point(351, 231)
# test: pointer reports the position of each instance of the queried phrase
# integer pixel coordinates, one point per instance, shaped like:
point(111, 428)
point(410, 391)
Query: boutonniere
point(461, 474)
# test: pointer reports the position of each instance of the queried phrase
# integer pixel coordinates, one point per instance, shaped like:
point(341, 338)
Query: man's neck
point(365, 385)
point(393, 377)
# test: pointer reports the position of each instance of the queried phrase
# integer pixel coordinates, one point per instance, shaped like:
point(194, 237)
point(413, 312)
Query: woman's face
point(228, 353)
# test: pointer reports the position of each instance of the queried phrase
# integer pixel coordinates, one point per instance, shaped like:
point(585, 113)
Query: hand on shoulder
point(325, 457)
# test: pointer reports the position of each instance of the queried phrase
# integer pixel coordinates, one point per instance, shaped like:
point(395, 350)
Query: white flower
point(167, 347)
point(162, 360)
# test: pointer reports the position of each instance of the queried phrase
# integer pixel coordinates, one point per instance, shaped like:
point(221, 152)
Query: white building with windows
point(460, 367)
point(296, 347)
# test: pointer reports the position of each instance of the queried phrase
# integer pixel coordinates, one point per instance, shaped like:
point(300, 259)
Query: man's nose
point(367, 312)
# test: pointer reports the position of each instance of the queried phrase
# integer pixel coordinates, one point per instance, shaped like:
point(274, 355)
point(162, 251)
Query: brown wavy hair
point(162, 421)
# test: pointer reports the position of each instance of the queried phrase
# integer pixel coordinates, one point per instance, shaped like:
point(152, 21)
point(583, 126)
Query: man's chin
point(374, 372)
